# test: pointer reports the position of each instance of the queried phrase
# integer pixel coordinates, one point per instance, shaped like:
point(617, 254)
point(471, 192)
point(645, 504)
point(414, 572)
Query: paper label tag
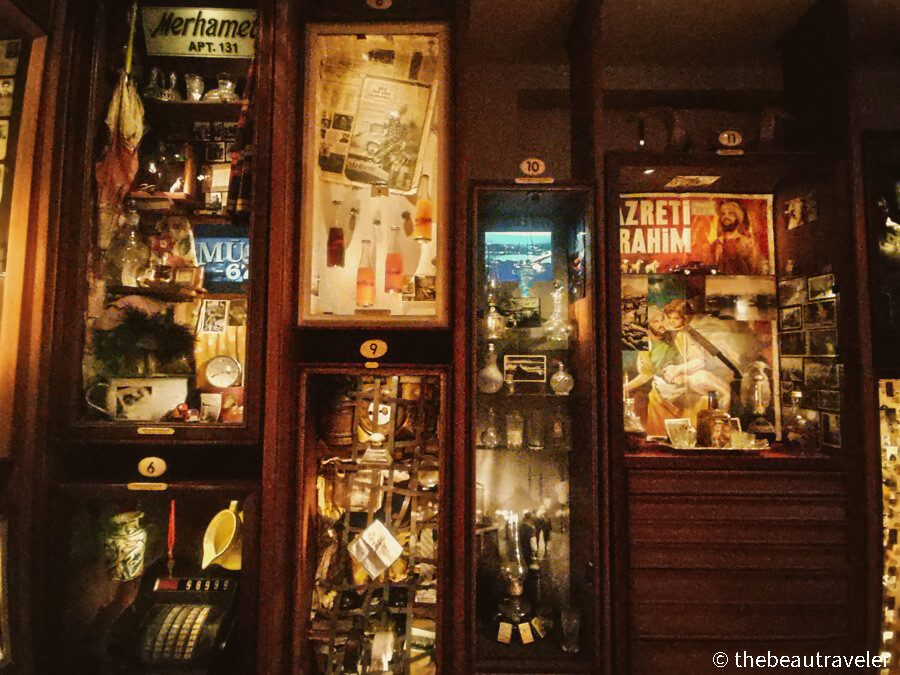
point(504, 633)
point(147, 487)
point(373, 349)
point(525, 632)
point(532, 166)
point(539, 626)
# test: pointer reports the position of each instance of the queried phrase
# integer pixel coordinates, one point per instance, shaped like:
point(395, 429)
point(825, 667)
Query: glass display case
point(374, 222)
point(172, 251)
point(729, 305)
point(155, 581)
point(374, 443)
point(533, 431)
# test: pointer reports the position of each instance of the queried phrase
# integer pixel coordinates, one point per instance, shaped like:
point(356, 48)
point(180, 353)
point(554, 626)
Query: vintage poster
point(707, 233)
point(374, 103)
point(685, 336)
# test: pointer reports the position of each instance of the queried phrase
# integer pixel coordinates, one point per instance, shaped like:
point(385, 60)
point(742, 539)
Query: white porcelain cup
point(139, 399)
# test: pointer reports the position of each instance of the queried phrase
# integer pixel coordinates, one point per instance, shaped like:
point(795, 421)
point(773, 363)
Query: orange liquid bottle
point(393, 263)
point(365, 276)
point(424, 220)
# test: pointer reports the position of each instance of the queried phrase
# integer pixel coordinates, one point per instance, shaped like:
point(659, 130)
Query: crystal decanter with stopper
point(557, 329)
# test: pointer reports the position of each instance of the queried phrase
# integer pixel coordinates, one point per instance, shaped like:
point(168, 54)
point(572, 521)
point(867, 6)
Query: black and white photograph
point(821, 373)
point(793, 344)
point(831, 429)
point(6, 96)
point(820, 314)
point(791, 318)
point(215, 152)
point(829, 399)
point(821, 287)
point(4, 137)
point(743, 298)
point(634, 312)
point(822, 342)
point(791, 369)
point(792, 291)
point(9, 57)
point(524, 368)
point(213, 316)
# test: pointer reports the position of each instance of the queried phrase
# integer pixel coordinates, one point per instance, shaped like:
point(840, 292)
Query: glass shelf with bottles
point(531, 376)
point(168, 275)
point(375, 228)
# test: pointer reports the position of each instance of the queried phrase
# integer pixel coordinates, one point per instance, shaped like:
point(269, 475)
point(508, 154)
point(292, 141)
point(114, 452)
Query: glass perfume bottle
point(393, 263)
point(365, 276)
point(490, 379)
point(494, 324)
point(557, 329)
point(335, 237)
point(422, 226)
point(562, 382)
point(490, 437)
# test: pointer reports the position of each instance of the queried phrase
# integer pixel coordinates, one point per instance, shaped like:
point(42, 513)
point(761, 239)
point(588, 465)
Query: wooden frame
point(319, 276)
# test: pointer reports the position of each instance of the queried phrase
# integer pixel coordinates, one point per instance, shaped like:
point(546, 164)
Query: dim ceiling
point(675, 33)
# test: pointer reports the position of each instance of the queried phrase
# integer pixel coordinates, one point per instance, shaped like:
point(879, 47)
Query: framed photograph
point(791, 369)
point(9, 62)
point(526, 312)
point(793, 344)
point(213, 315)
point(634, 312)
point(743, 298)
point(831, 429)
point(821, 287)
point(829, 399)
point(188, 277)
point(524, 368)
point(202, 131)
point(820, 314)
point(792, 291)
point(821, 373)
point(791, 318)
point(6, 96)
point(822, 342)
point(681, 433)
point(4, 136)
point(215, 152)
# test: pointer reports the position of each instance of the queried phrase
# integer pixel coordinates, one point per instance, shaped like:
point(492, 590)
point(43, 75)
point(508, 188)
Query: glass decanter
point(490, 379)
point(557, 329)
point(562, 382)
point(514, 607)
point(801, 429)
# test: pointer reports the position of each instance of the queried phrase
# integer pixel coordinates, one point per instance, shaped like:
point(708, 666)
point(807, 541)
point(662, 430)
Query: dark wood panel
point(732, 483)
point(677, 507)
point(648, 586)
point(651, 657)
point(739, 620)
point(737, 557)
point(728, 531)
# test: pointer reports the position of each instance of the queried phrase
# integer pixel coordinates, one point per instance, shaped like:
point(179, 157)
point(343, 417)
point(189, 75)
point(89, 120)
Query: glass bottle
point(515, 430)
point(128, 255)
point(562, 382)
point(490, 437)
point(422, 225)
point(393, 263)
point(335, 237)
point(557, 329)
point(490, 379)
point(713, 428)
point(800, 428)
point(365, 276)
point(492, 283)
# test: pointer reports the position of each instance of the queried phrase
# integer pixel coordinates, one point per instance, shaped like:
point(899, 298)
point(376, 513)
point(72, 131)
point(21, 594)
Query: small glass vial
point(562, 382)
point(365, 276)
point(490, 379)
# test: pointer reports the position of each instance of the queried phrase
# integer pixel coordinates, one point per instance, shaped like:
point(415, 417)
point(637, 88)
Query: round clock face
point(223, 371)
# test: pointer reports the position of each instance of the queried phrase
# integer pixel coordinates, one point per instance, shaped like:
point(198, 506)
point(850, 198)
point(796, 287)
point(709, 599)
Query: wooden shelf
point(165, 292)
point(169, 112)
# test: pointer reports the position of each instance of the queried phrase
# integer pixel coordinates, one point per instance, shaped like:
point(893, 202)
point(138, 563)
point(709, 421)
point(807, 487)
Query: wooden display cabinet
point(535, 576)
point(165, 272)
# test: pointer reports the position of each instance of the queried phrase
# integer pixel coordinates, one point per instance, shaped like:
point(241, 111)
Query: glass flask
point(490, 379)
point(515, 430)
point(490, 437)
point(558, 328)
point(562, 382)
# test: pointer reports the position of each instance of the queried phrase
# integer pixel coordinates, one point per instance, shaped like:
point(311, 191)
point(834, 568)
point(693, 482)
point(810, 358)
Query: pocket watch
point(223, 371)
